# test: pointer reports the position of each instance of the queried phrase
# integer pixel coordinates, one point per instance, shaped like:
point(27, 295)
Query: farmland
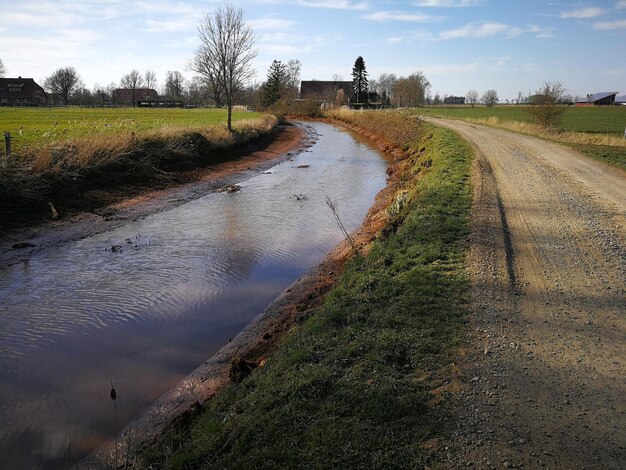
point(36, 127)
point(609, 120)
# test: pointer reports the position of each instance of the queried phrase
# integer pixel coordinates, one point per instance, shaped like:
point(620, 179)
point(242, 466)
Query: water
point(144, 315)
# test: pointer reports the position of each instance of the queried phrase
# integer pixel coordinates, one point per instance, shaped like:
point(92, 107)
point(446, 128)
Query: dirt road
point(547, 365)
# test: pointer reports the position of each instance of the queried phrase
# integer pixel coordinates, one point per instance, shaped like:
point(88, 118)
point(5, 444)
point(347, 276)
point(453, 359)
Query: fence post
point(7, 143)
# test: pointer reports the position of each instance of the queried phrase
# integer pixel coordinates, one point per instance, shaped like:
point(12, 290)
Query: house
point(21, 92)
point(319, 90)
point(125, 95)
point(605, 98)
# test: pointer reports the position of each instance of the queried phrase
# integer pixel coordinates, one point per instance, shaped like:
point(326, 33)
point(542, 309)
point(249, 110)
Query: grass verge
point(360, 383)
point(64, 172)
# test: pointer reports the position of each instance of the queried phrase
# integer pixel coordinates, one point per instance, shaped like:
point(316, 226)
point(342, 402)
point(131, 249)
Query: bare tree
point(150, 79)
point(63, 82)
point(3, 69)
point(174, 84)
point(132, 81)
point(546, 107)
point(472, 97)
point(224, 57)
point(292, 77)
point(490, 98)
point(410, 91)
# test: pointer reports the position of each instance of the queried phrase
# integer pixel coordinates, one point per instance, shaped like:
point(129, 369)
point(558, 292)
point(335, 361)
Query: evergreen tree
point(275, 84)
point(360, 84)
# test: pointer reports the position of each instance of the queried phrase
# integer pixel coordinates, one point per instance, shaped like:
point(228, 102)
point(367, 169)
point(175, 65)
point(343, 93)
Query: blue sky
point(508, 45)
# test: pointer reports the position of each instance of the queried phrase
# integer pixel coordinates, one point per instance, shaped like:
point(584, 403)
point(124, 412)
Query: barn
point(125, 95)
point(21, 92)
point(320, 90)
point(604, 98)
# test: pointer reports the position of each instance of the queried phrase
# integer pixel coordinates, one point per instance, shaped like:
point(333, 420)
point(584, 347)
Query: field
point(609, 119)
point(32, 128)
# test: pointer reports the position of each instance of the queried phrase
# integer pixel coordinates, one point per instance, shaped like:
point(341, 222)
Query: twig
point(333, 207)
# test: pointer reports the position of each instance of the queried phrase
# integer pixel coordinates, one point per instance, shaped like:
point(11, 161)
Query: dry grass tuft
point(569, 137)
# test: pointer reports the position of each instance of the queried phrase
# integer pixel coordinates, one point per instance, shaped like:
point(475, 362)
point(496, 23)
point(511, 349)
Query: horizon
point(458, 44)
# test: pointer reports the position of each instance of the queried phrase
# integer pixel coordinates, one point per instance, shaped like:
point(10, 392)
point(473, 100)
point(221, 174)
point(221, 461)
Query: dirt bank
point(546, 364)
point(251, 347)
point(134, 202)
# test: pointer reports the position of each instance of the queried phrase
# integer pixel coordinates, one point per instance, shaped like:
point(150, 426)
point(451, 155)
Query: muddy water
point(146, 303)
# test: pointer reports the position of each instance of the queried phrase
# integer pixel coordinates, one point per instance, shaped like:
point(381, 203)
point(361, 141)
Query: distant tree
point(546, 108)
point(150, 79)
point(359, 80)
point(63, 83)
point(174, 84)
point(437, 99)
point(520, 97)
point(490, 98)
point(274, 86)
point(195, 91)
point(132, 81)
point(337, 77)
point(3, 69)
point(340, 98)
point(410, 91)
point(292, 77)
point(472, 97)
point(224, 57)
point(386, 86)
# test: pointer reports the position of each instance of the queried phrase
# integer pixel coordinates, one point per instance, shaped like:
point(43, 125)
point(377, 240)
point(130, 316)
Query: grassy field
point(32, 128)
point(359, 384)
point(597, 132)
point(600, 119)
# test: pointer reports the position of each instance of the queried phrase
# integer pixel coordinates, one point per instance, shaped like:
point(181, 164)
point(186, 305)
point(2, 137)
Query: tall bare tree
point(63, 82)
point(3, 69)
point(174, 84)
point(150, 79)
point(224, 57)
point(490, 98)
point(410, 91)
point(132, 81)
point(472, 97)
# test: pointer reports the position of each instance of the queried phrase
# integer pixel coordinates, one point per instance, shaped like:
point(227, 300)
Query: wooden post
point(7, 143)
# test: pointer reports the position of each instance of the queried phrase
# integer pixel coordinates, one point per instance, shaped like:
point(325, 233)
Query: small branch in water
point(114, 398)
point(333, 207)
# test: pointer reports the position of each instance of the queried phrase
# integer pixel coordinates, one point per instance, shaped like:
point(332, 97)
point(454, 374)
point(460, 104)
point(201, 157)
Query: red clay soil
point(251, 347)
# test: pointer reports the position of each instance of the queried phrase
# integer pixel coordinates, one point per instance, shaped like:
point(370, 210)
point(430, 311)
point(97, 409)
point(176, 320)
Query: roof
point(126, 94)
point(320, 89)
point(593, 97)
point(620, 99)
point(19, 88)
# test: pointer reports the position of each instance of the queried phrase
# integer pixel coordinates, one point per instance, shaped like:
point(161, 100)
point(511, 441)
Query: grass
point(352, 387)
point(66, 171)
point(594, 119)
point(32, 128)
point(597, 132)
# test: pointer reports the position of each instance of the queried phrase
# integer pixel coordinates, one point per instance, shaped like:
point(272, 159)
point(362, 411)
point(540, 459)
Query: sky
point(508, 45)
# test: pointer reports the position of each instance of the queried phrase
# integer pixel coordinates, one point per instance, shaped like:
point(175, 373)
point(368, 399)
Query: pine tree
point(274, 86)
point(360, 84)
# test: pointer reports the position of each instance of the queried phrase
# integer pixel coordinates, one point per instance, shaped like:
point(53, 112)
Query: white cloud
point(476, 30)
point(333, 4)
point(270, 24)
point(621, 4)
point(581, 13)
point(174, 25)
point(400, 16)
point(608, 25)
point(445, 3)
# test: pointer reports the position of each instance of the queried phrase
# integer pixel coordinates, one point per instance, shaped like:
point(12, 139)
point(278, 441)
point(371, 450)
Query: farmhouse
point(319, 90)
point(605, 98)
point(21, 92)
point(125, 95)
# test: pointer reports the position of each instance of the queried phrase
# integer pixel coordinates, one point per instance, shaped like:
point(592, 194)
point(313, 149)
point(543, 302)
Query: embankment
point(92, 172)
point(357, 377)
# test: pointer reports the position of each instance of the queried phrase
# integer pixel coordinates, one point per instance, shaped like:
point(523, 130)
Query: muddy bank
point(118, 206)
point(249, 348)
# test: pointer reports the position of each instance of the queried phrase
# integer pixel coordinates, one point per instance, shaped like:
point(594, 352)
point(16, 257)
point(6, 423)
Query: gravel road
point(546, 366)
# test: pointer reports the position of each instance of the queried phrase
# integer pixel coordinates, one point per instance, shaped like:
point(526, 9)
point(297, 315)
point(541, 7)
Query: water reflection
point(148, 302)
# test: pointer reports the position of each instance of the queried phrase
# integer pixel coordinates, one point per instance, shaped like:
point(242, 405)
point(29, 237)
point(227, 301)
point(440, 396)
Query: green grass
point(600, 119)
point(615, 156)
point(349, 387)
point(35, 127)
